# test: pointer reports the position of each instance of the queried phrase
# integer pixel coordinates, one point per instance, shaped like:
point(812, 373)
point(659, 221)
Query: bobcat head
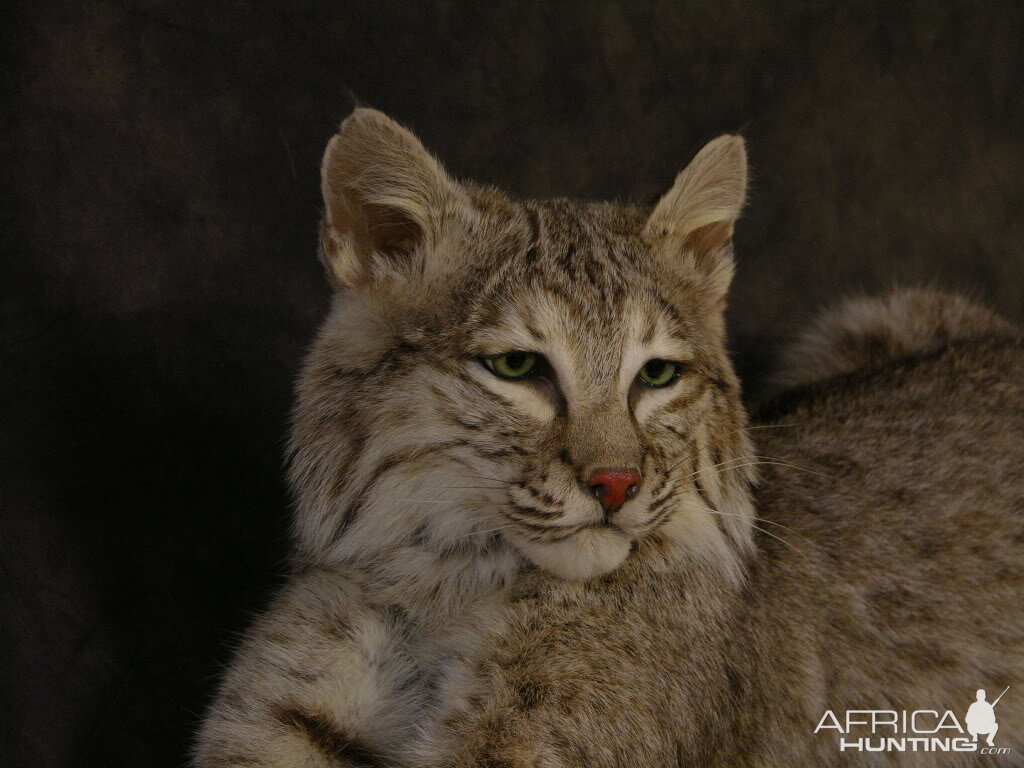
point(549, 375)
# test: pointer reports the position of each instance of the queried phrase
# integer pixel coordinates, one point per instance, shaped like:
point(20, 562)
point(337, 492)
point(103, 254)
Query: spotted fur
point(888, 575)
point(444, 531)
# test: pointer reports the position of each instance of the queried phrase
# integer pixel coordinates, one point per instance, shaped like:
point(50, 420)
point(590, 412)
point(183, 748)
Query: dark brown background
point(160, 283)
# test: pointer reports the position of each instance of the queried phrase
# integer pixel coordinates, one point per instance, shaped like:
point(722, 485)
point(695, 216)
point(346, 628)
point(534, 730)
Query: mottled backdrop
point(159, 280)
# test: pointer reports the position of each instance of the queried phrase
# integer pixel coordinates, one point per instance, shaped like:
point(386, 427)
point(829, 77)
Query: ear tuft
point(693, 222)
point(383, 196)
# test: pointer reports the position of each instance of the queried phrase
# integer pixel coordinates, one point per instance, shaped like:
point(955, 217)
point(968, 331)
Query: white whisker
point(783, 463)
point(457, 503)
point(755, 520)
point(464, 488)
point(713, 466)
point(487, 477)
point(480, 533)
point(766, 533)
point(788, 544)
point(758, 461)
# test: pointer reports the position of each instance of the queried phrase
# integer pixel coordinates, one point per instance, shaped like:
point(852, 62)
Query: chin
point(591, 553)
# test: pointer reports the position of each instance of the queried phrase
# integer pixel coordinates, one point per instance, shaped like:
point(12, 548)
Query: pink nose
point(613, 486)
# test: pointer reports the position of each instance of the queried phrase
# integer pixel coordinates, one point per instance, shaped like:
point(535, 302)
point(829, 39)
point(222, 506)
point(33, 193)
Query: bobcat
point(529, 529)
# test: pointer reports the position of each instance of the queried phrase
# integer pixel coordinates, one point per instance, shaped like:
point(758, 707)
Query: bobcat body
point(888, 576)
point(464, 592)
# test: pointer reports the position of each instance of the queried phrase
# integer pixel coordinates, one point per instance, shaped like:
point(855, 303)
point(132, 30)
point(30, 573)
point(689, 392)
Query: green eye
point(512, 365)
point(659, 373)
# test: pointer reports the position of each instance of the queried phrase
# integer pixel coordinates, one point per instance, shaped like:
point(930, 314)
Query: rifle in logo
point(981, 717)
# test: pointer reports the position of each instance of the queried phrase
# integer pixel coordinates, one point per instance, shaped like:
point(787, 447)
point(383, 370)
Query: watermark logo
point(981, 717)
point(920, 730)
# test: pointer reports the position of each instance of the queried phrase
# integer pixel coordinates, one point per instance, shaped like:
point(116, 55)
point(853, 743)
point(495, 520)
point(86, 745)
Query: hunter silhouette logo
point(920, 730)
point(981, 717)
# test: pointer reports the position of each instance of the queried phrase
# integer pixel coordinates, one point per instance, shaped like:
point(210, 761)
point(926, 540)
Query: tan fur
point(458, 597)
point(888, 575)
point(871, 331)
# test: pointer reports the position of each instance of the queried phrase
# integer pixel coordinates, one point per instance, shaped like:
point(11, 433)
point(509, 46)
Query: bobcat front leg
point(321, 679)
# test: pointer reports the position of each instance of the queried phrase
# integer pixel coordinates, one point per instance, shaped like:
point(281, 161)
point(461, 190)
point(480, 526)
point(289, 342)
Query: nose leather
point(613, 486)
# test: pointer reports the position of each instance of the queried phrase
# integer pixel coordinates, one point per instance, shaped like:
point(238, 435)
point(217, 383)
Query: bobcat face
point(549, 373)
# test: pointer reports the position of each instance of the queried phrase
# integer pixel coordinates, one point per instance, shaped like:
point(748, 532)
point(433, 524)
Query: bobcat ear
point(384, 196)
point(692, 224)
